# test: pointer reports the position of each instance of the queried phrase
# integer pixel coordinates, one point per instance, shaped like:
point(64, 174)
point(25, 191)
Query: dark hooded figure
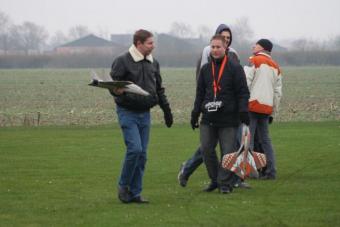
point(225, 31)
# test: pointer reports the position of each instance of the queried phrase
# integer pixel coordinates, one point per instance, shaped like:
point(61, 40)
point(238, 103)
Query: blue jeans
point(193, 163)
point(136, 130)
point(259, 124)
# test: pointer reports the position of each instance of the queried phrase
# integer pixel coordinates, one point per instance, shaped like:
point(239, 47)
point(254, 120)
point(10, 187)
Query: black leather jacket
point(145, 74)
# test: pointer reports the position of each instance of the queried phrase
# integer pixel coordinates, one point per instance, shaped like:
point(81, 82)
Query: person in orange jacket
point(265, 85)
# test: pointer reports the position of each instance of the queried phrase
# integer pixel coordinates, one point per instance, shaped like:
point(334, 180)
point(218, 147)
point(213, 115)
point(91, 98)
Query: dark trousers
point(259, 123)
point(209, 137)
point(197, 159)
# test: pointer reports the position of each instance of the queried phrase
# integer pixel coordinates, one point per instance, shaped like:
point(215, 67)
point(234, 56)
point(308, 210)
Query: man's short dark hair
point(141, 35)
point(218, 37)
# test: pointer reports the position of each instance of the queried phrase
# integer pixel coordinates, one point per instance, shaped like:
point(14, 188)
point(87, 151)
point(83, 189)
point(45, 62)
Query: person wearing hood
point(225, 31)
point(222, 98)
point(264, 81)
point(188, 167)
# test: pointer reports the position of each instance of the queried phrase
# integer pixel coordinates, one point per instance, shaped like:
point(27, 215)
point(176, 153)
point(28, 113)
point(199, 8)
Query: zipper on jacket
point(143, 73)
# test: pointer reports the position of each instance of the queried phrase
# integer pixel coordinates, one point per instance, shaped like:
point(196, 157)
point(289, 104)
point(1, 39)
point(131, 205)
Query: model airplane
point(244, 162)
point(128, 86)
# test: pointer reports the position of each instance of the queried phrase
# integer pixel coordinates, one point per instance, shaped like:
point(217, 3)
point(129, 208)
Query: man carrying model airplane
point(138, 66)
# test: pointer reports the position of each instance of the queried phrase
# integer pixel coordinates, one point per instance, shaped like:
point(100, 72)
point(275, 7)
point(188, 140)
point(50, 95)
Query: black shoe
point(211, 187)
point(226, 190)
point(124, 194)
point(182, 180)
point(242, 184)
point(139, 199)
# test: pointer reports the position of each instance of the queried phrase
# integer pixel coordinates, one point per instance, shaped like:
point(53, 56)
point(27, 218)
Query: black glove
point(244, 118)
point(270, 119)
point(194, 120)
point(168, 118)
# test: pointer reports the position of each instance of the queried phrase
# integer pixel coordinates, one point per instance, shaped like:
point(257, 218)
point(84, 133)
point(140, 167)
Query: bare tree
point(58, 39)
point(103, 33)
point(181, 30)
point(205, 33)
point(28, 36)
point(299, 44)
point(336, 42)
point(242, 32)
point(5, 25)
point(307, 45)
point(78, 32)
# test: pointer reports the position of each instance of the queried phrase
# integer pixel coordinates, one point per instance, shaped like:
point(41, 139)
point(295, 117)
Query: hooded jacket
point(221, 28)
point(205, 57)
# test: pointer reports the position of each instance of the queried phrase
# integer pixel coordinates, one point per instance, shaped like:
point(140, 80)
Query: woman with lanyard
point(222, 98)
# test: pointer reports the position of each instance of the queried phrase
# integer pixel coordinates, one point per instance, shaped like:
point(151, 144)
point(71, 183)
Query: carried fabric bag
point(244, 162)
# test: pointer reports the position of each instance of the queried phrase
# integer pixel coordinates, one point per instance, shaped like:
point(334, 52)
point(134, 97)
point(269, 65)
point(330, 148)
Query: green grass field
point(67, 176)
point(65, 172)
point(62, 97)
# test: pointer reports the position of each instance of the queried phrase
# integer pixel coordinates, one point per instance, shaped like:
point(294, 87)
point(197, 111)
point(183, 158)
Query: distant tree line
point(29, 45)
point(56, 61)
point(30, 38)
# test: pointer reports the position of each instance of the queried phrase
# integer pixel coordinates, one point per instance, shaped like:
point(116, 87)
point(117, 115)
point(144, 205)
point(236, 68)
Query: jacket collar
point(217, 61)
point(263, 53)
point(138, 56)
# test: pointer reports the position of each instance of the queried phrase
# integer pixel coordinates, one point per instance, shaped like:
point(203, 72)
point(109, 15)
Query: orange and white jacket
point(265, 84)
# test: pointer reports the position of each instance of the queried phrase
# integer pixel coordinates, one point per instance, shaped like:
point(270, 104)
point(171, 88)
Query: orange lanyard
point(216, 84)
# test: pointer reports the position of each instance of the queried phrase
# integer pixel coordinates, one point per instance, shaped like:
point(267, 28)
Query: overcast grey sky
point(287, 19)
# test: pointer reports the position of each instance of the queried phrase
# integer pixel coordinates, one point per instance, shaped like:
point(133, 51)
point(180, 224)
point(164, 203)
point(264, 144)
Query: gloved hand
point(168, 118)
point(244, 118)
point(194, 120)
point(271, 119)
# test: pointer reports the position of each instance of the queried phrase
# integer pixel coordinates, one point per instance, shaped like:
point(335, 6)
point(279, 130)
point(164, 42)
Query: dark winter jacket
point(234, 94)
point(146, 74)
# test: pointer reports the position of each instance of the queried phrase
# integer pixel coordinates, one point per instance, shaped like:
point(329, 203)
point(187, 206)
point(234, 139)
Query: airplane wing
point(128, 86)
point(244, 162)
point(259, 159)
point(233, 162)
